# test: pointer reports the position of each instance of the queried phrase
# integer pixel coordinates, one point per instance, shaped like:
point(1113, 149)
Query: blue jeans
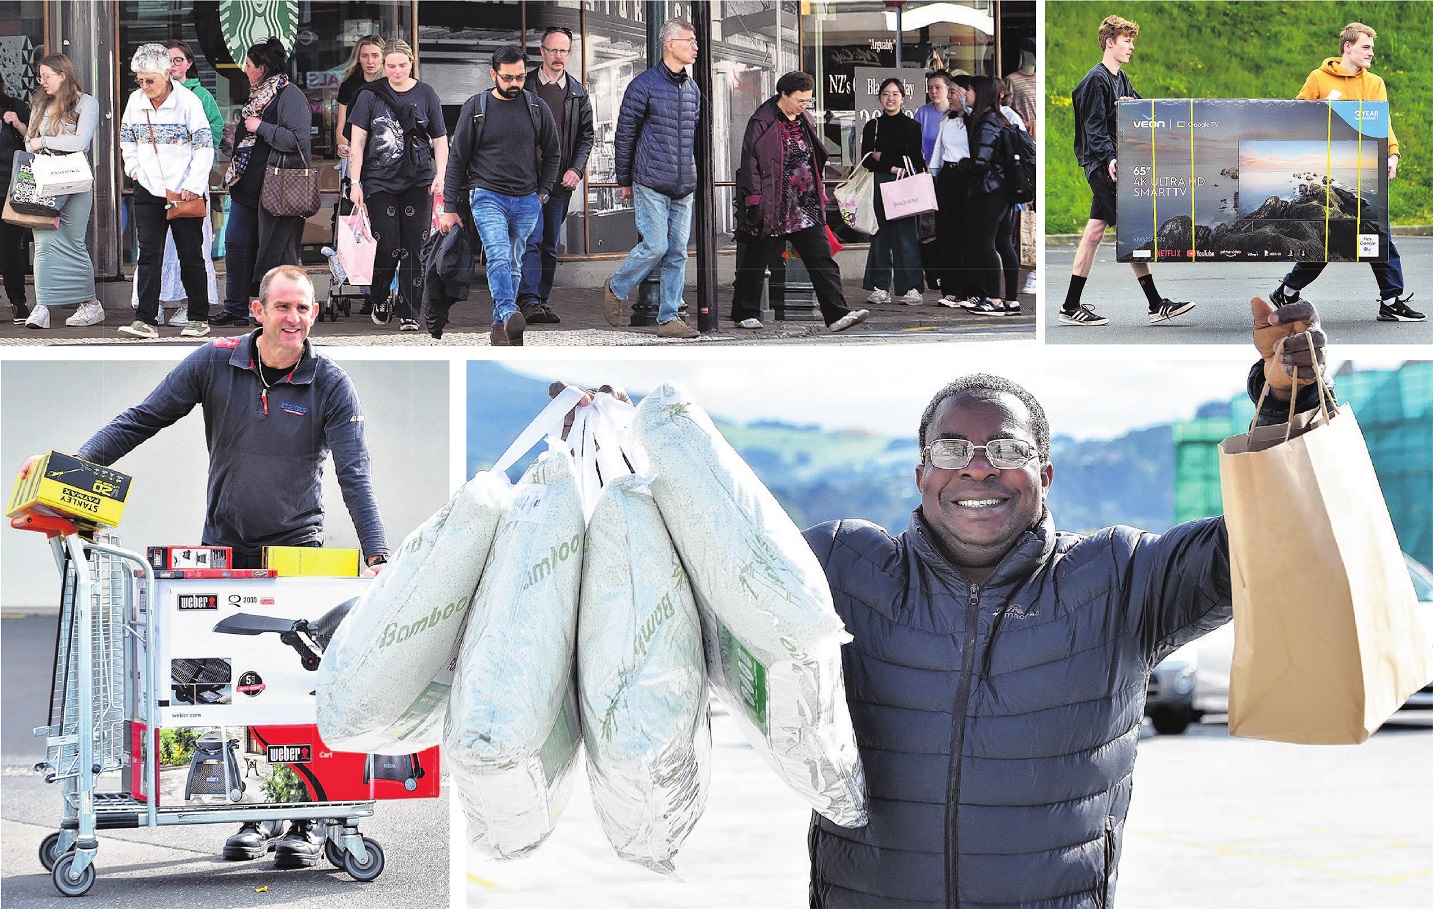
point(1389, 275)
point(665, 225)
point(241, 249)
point(539, 260)
point(504, 223)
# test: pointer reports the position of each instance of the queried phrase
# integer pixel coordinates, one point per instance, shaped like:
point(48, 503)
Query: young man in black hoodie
point(1094, 102)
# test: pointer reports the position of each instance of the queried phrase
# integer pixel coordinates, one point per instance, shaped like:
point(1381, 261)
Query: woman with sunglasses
point(171, 289)
point(273, 131)
point(398, 161)
point(63, 120)
point(166, 148)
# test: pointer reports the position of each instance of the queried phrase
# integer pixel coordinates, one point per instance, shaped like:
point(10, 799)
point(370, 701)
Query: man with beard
point(505, 187)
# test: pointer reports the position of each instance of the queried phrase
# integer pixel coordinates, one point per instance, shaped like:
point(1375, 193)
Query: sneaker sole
point(1157, 317)
point(134, 334)
point(1085, 323)
point(1394, 317)
point(85, 324)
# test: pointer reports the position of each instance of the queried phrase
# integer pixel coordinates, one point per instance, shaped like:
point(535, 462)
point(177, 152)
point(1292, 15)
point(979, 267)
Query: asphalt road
point(1215, 822)
point(1345, 295)
point(181, 865)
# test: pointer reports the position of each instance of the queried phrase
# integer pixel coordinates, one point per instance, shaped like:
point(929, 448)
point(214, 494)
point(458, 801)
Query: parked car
point(1205, 663)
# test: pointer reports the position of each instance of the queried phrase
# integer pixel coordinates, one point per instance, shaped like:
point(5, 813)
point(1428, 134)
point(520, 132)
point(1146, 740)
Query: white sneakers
point(39, 317)
point(912, 298)
point(179, 317)
point(91, 313)
point(1031, 284)
point(750, 324)
point(879, 297)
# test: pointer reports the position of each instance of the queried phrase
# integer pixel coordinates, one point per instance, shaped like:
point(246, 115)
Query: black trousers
point(12, 261)
point(814, 248)
point(950, 239)
point(989, 247)
point(400, 224)
point(152, 228)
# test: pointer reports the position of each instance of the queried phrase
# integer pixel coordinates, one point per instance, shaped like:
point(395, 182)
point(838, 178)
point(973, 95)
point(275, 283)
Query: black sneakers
point(1082, 316)
point(1399, 311)
point(1279, 298)
point(301, 847)
point(1167, 310)
point(253, 840)
point(225, 318)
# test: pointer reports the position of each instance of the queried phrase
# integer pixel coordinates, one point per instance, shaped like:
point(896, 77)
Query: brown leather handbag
point(291, 192)
point(176, 206)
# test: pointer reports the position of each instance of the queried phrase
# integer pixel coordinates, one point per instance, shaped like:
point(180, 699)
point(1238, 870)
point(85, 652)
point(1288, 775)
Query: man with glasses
point(655, 147)
point(997, 675)
point(782, 200)
point(503, 164)
point(572, 112)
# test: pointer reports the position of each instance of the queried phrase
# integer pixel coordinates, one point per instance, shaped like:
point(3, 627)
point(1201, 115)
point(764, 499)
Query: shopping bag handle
point(546, 423)
point(1294, 392)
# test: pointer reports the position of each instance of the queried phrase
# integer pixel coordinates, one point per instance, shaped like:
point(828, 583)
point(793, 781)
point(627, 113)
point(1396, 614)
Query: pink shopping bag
point(909, 196)
point(356, 247)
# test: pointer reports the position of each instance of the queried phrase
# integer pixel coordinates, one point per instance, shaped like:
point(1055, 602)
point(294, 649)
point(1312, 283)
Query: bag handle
point(546, 423)
point(158, 161)
point(598, 442)
point(1294, 393)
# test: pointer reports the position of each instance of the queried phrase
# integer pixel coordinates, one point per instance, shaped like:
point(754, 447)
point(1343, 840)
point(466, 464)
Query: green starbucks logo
point(248, 22)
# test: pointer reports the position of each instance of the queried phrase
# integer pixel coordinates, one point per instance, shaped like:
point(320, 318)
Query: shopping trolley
point(106, 621)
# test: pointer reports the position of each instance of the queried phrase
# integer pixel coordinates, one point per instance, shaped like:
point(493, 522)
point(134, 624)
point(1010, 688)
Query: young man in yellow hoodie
point(1347, 78)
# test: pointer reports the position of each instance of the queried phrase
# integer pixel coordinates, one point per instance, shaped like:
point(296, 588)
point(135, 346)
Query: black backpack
point(1016, 151)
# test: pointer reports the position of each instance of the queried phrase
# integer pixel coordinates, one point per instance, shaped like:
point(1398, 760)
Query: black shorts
point(1102, 205)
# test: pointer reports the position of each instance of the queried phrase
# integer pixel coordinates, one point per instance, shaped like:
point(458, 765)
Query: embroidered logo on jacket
point(295, 409)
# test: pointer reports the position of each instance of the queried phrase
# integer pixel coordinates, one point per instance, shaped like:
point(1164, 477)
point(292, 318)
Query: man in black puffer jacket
point(997, 674)
point(655, 147)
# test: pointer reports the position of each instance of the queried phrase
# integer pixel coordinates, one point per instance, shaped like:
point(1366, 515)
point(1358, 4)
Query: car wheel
point(1171, 720)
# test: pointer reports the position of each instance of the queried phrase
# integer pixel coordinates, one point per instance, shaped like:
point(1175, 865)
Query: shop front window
point(22, 44)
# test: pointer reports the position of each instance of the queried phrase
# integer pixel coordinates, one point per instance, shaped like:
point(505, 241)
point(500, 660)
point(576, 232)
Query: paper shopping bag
point(1326, 642)
point(62, 174)
point(857, 201)
point(356, 247)
point(909, 196)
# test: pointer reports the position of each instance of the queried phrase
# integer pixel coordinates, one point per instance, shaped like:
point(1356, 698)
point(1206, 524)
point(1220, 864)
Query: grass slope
point(1245, 49)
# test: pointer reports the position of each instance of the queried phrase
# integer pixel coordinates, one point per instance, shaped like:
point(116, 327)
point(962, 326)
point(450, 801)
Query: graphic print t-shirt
point(384, 167)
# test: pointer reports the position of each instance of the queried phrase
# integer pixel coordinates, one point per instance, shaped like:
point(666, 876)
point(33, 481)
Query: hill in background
point(1238, 50)
point(820, 476)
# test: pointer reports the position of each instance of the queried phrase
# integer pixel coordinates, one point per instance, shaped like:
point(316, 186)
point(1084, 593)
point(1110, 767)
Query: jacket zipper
point(957, 748)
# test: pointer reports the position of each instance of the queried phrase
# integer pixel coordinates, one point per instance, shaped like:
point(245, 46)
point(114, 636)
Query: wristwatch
point(379, 559)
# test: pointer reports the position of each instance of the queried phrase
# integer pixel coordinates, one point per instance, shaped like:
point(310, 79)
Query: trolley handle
point(49, 525)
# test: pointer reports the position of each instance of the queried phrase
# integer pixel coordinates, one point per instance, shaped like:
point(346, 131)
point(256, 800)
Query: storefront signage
point(249, 22)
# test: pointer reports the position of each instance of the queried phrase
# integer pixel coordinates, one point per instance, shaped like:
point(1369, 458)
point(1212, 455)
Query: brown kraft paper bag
point(1326, 643)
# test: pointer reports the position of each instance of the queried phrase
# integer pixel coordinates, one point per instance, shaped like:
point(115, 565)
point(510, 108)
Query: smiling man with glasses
point(571, 109)
point(997, 673)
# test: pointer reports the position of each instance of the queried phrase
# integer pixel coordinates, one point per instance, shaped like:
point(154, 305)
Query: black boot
point(302, 846)
point(253, 840)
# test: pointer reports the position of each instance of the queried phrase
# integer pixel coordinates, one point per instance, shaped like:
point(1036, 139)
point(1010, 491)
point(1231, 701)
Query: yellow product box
point(311, 562)
point(63, 485)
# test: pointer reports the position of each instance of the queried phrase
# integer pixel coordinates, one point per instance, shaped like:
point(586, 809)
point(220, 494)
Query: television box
point(1213, 180)
point(63, 485)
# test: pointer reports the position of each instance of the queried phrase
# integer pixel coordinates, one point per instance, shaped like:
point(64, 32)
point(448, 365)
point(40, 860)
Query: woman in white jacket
point(166, 147)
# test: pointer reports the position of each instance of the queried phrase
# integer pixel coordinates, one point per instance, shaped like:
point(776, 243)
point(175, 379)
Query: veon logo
point(1149, 124)
point(289, 754)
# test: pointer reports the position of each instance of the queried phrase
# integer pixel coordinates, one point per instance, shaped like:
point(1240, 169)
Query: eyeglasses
point(692, 41)
point(557, 52)
point(801, 102)
point(956, 454)
point(511, 80)
point(148, 82)
point(178, 60)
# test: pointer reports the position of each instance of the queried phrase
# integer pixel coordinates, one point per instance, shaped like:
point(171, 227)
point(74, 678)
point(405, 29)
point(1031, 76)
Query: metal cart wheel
point(364, 871)
point(50, 851)
point(63, 883)
point(334, 853)
point(410, 784)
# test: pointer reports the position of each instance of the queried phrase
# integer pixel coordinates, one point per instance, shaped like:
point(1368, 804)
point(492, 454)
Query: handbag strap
point(158, 161)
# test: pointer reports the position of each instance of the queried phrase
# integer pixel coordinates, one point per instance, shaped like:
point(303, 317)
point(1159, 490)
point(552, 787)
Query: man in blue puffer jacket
point(655, 148)
point(997, 674)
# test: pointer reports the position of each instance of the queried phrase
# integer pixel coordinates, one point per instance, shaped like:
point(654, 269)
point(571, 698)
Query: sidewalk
point(582, 324)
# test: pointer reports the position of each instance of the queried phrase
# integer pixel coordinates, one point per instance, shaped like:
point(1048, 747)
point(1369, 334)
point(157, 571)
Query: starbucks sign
point(249, 22)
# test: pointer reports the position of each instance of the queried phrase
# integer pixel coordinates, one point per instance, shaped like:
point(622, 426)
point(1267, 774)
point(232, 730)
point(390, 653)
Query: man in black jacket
point(997, 676)
point(1094, 102)
point(572, 111)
